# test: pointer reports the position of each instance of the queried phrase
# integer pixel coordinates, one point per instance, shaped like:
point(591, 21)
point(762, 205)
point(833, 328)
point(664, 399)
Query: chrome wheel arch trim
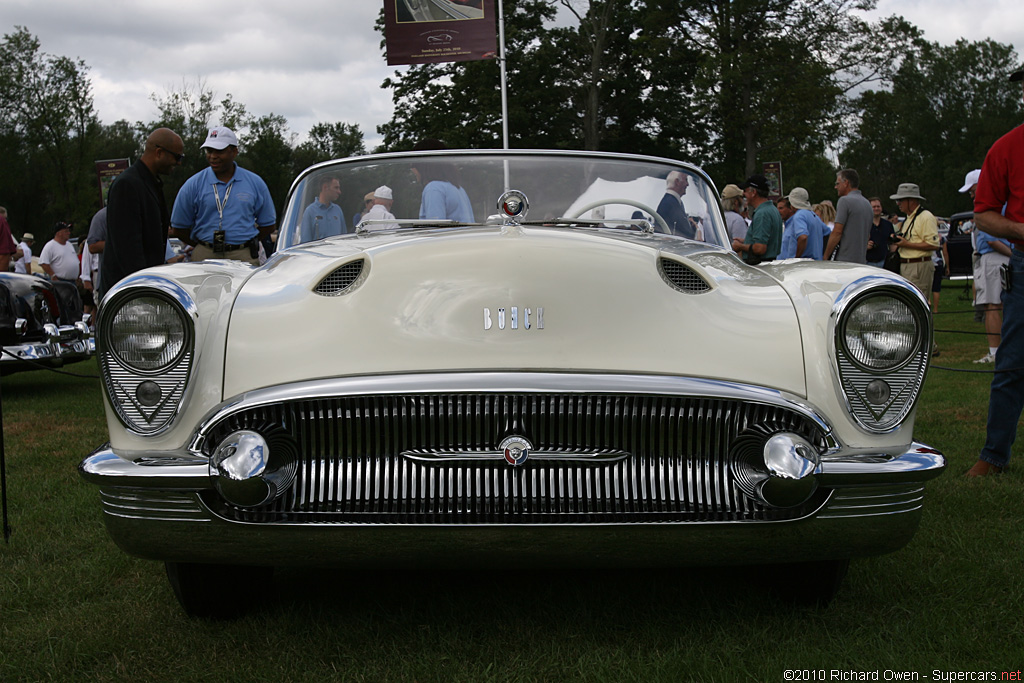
point(168, 287)
point(509, 382)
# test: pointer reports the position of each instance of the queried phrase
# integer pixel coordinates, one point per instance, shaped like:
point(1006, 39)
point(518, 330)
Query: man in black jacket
point(137, 215)
point(671, 206)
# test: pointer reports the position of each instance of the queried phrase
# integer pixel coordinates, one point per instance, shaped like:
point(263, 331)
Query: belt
point(922, 259)
point(226, 247)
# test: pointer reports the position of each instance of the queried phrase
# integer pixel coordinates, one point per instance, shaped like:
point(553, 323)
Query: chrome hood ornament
point(513, 206)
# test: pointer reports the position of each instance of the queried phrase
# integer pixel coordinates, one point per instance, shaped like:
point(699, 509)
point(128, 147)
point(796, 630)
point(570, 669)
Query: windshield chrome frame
point(713, 206)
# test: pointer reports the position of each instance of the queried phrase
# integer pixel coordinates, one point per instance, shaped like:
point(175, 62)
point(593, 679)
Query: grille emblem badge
point(516, 450)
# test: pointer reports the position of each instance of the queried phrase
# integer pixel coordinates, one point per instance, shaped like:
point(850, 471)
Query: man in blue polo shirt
point(223, 210)
point(803, 232)
point(323, 218)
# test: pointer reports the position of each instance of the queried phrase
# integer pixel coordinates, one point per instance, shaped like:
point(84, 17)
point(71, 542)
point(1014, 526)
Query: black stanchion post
point(3, 468)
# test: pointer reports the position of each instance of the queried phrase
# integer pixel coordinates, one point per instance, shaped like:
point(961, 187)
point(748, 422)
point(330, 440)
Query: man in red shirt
point(6, 240)
point(999, 211)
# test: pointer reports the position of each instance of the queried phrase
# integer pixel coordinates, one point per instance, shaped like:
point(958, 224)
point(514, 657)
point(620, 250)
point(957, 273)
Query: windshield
point(574, 190)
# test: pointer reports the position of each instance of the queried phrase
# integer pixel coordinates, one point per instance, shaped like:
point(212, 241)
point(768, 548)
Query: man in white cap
point(971, 182)
point(917, 239)
point(990, 255)
point(223, 210)
point(323, 218)
point(803, 234)
point(23, 257)
point(383, 199)
point(999, 211)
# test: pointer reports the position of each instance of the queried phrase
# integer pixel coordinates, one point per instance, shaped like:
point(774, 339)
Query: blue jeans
point(1006, 399)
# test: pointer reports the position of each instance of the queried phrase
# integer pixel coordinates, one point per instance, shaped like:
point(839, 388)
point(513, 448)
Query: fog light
point(148, 393)
point(777, 470)
point(250, 470)
point(878, 392)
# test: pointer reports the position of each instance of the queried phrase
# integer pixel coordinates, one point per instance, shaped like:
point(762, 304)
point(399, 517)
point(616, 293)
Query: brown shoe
point(982, 468)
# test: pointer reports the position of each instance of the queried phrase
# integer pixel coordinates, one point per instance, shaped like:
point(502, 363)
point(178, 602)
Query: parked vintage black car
point(958, 243)
point(41, 324)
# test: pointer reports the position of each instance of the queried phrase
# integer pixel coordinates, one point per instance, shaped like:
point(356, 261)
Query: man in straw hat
point(1002, 177)
point(23, 257)
point(732, 205)
point(917, 238)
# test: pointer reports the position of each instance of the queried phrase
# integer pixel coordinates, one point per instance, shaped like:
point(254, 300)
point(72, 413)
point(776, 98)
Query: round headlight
point(148, 333)
point(881, 332)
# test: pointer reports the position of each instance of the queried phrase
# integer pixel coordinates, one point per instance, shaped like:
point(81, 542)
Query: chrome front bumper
point(155, 509)
point(65, 344)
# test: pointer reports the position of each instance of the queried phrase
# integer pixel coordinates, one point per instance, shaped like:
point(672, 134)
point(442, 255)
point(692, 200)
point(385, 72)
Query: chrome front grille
point(352, 468)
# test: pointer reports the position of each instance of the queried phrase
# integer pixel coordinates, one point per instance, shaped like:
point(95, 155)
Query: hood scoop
point(681, 277)
point(342, 279)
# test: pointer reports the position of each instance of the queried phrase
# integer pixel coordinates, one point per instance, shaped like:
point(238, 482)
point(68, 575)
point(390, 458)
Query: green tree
point(947, 105)
point(46, 103)
point(773, 75)
point(268, 153)
point(328, 141)
point(187, 110)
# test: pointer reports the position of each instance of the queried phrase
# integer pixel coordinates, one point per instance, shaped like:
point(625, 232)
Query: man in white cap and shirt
point(23, 257)
point(383, 199)
point(991, 253)
point(223, 210)
point(918, 237)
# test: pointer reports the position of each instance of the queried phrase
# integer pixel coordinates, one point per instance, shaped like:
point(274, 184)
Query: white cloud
point(311, 61)
point(316, 61)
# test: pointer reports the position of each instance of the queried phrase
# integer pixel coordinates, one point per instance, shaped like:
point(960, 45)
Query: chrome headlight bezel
point(880, 391)
point(116, 343)
point(146, 397)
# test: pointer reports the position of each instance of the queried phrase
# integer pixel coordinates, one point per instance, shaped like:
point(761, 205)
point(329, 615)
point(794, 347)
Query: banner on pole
point(434, 31)
point(106, 171)
point(773, 173)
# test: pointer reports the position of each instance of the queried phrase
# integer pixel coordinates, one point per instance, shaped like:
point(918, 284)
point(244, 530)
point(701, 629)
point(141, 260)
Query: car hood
point(445, 301)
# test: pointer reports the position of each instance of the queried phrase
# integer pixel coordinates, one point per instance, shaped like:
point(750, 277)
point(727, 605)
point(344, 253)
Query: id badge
point(219, 240)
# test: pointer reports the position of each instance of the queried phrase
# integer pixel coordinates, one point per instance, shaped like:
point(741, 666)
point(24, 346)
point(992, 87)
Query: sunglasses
point(177, 157)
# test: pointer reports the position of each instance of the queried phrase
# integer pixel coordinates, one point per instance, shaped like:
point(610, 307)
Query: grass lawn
point(73, 607)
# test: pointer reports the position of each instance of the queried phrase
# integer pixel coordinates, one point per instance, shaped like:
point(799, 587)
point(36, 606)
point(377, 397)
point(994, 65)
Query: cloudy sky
point(311, 61)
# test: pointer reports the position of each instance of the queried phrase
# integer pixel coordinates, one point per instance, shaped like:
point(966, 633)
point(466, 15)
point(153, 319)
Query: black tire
point(218, 591)
point(811, 584)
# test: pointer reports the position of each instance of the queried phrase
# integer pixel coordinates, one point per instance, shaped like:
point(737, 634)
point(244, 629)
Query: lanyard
point(222, 204)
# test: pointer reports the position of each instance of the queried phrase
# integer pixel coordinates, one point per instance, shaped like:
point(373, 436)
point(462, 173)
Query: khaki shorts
point(988, 287)
point(920, 275)
point(202, 253)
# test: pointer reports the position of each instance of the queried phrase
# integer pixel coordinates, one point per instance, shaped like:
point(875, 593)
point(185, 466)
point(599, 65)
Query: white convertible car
point(554, 380)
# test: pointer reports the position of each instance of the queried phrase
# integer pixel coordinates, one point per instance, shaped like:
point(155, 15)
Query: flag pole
point(501, 59)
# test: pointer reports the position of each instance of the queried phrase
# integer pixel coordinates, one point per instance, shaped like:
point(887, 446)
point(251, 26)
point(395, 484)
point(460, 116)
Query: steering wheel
point(629, 202)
